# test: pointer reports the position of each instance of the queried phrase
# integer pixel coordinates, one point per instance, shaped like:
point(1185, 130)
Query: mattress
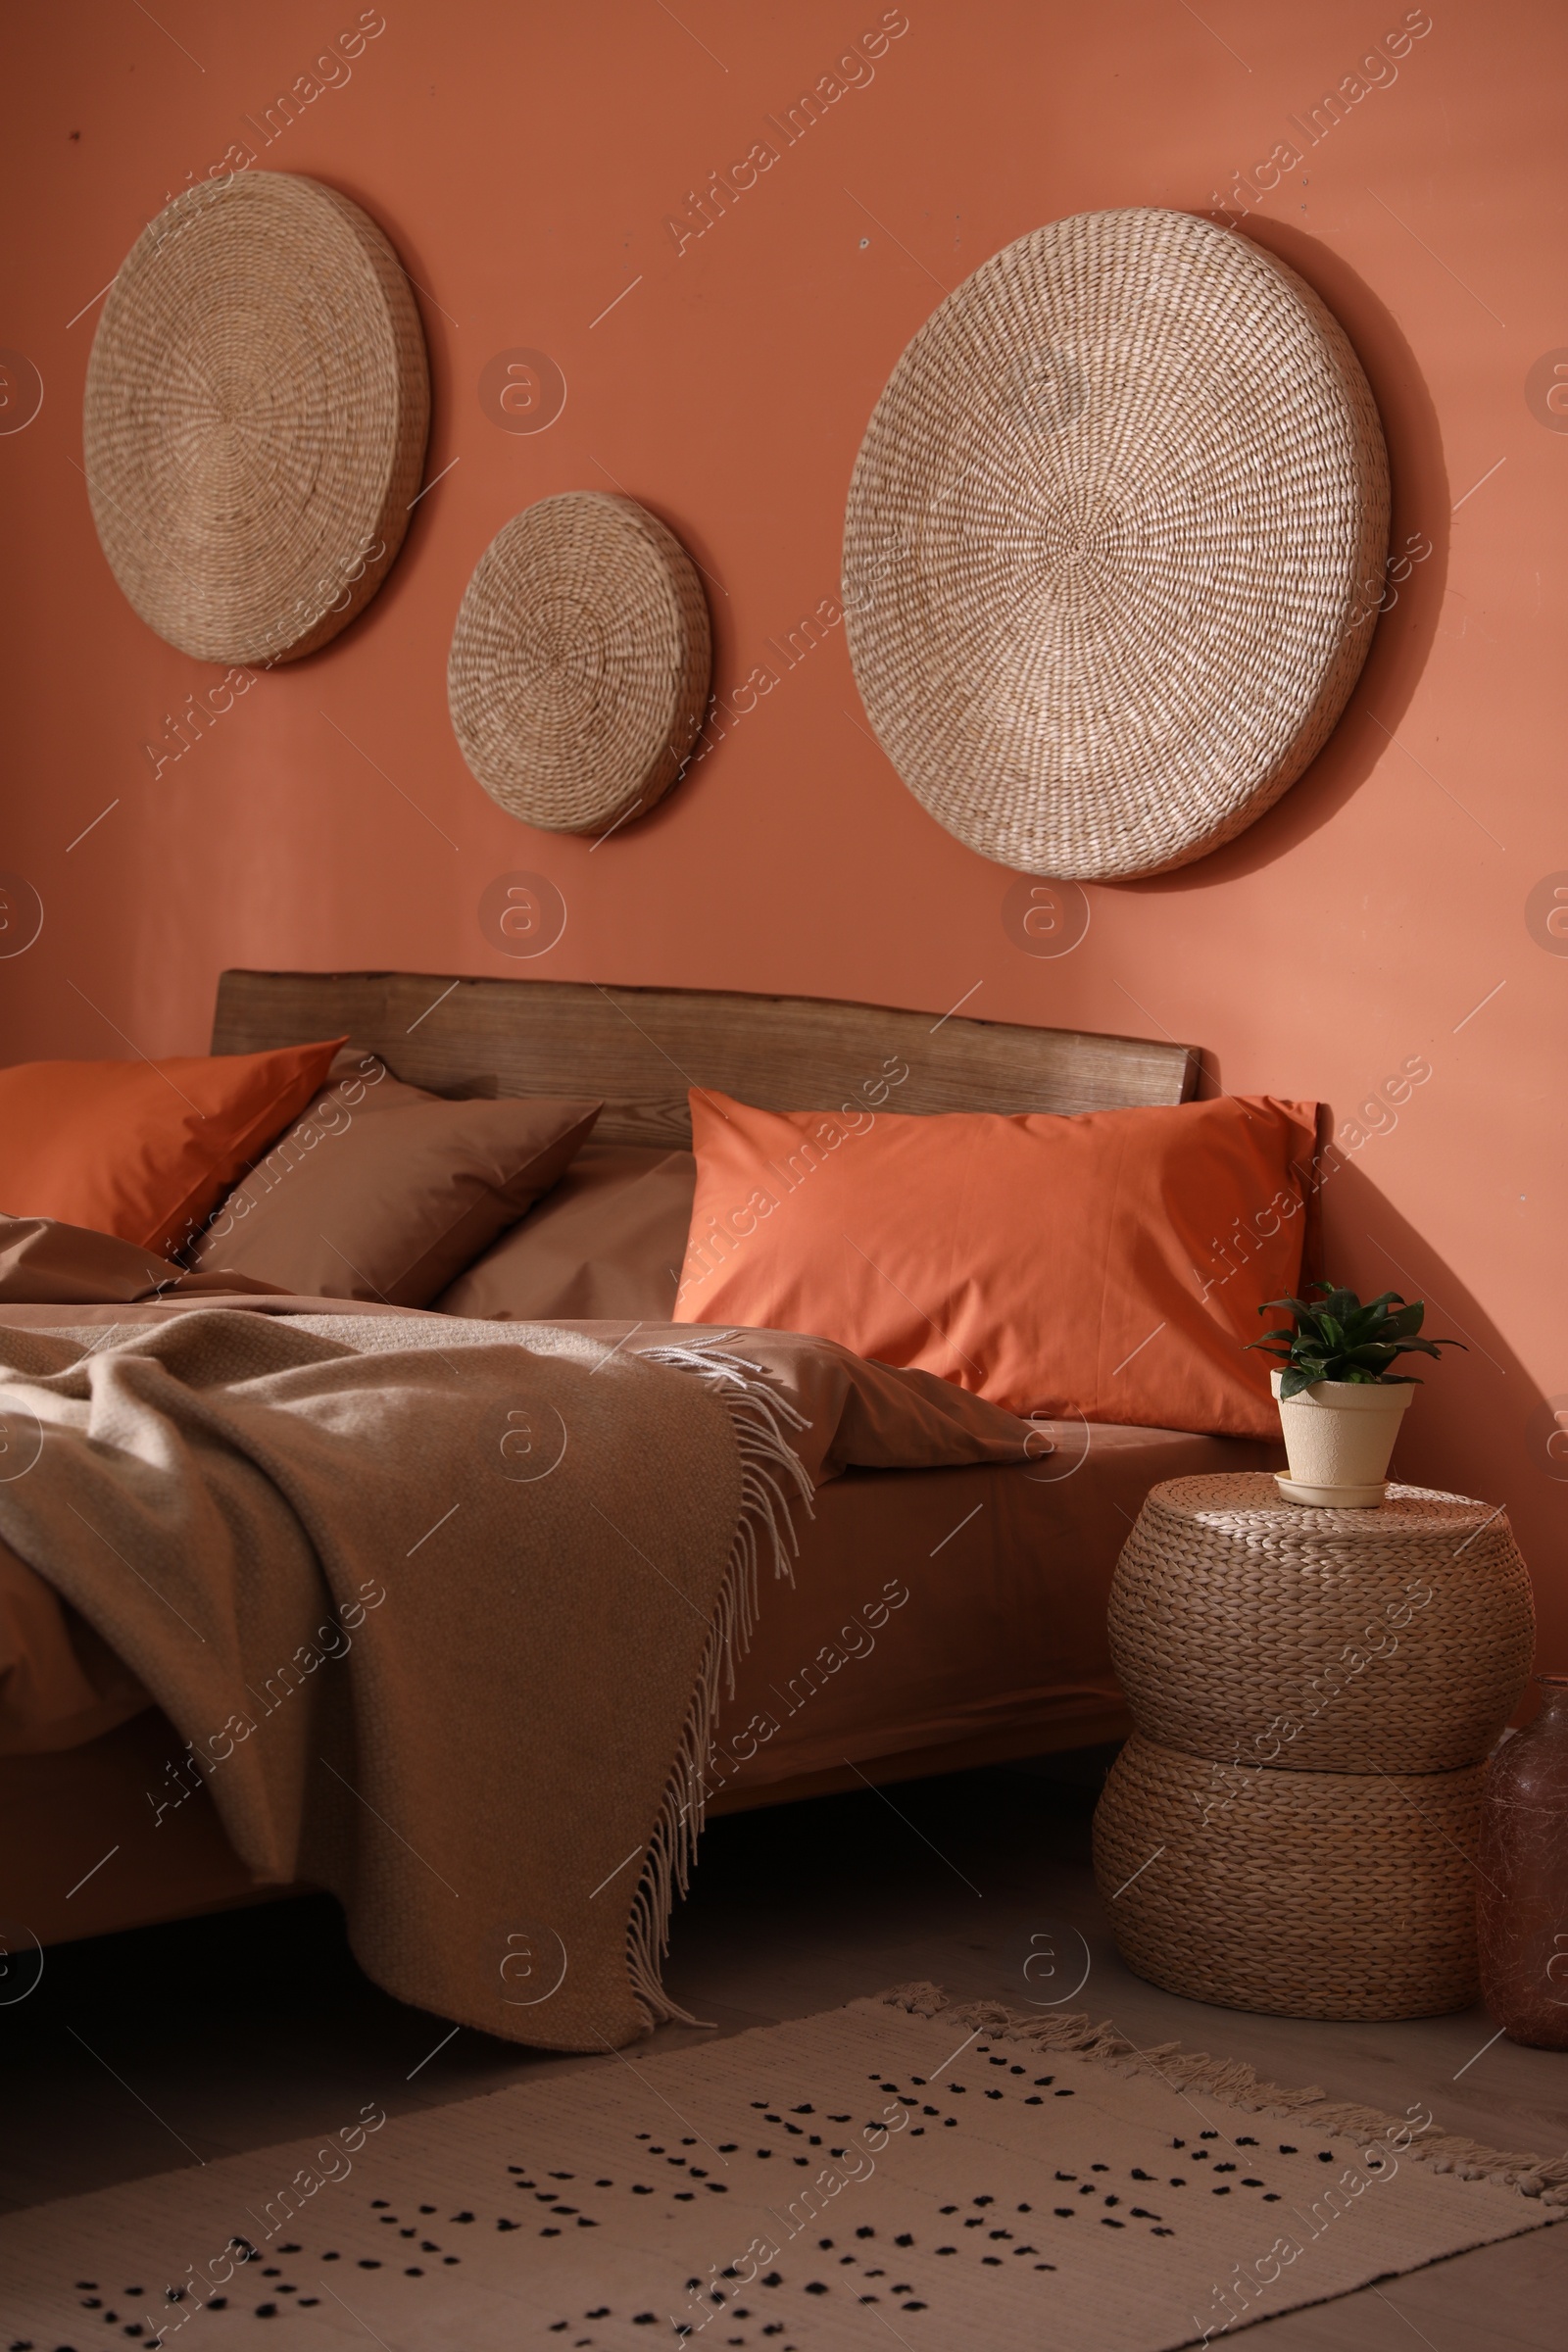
point(936, 1618)
point(999, 1637)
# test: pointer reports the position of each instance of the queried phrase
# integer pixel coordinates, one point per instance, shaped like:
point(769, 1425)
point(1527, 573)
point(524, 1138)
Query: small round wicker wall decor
point(255, 420)
point(1114, 543)
point(581, 660)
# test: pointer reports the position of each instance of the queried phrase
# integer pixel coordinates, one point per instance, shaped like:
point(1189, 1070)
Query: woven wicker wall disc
point(580, 662)
point(255, 420)
point(1114, 545)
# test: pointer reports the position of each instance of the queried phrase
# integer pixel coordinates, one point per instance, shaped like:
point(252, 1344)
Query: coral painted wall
point(536, 168)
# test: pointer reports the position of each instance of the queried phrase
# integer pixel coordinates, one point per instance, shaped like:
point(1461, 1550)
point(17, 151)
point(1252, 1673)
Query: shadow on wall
point(1479, 1425)
point(1403, 637)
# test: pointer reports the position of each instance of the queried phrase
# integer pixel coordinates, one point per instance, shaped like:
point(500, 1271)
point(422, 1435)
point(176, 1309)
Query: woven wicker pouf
point(1314, 1694)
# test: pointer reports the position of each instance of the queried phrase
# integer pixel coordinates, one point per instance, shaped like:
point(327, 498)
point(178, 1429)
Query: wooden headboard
point(642, 1048)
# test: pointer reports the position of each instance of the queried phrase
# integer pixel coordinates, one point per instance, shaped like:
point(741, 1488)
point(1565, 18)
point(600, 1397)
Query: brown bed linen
point(1003, 1634)
point(211, 1290)
point(608, 1240)
point(46, 1263)
point(84, 1852)
point(383, 1192)
point(1006, 1565)
point(228, 1496)
point(60, 1682)
point(937, 1608)
point(260, 1473)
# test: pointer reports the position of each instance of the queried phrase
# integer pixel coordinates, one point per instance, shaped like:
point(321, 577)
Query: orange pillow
point(144, 1149)
point(1108, 1265)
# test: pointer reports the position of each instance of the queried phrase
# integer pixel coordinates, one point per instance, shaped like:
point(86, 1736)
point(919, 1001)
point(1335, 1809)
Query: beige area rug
point(896, 2172)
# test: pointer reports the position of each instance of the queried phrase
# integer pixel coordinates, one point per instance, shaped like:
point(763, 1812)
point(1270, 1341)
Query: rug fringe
point(1239, 2085)
point(770, 1469)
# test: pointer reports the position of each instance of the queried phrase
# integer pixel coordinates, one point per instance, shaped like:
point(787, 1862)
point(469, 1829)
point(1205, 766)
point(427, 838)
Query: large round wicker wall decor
point(1114, 545)
point(580, 661)
point(255, 420)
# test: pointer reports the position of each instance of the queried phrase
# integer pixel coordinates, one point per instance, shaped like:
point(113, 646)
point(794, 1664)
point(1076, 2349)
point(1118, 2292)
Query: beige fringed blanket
point(440, 1616)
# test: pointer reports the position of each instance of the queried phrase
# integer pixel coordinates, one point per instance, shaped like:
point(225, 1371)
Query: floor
point(138, 2053)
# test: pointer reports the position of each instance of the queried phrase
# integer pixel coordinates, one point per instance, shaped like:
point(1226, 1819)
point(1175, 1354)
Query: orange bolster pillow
point(145, 1150)
point(1108, 1266)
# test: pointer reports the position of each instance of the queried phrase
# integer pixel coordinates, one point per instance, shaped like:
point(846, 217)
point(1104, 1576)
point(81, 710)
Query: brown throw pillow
point(44, 1264)
point(382, 1191)
point(605, 1245)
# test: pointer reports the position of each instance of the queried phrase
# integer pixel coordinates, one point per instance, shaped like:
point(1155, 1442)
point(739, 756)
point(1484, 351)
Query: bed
point(936, 1619)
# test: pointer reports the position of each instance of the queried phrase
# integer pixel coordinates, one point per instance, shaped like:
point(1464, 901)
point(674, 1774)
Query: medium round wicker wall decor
point(1114, 545)
point(580, 661)
point(255, 420)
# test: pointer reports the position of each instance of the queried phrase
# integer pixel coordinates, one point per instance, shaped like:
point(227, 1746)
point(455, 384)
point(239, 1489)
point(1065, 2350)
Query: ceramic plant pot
point(1338, 1436)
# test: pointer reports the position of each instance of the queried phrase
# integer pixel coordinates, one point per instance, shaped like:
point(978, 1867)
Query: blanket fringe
point(772, 1477)
point(1238, 2085)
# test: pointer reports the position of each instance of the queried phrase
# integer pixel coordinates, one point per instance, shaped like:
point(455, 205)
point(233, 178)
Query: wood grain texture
point(642, 1048)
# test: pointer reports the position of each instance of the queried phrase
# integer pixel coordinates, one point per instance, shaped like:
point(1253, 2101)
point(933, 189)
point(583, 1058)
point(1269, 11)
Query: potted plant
point(1340, 1404)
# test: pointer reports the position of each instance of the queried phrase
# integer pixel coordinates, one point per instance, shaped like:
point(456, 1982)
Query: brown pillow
point(44, 1263)
point(605, 1245)
point(384, 1191)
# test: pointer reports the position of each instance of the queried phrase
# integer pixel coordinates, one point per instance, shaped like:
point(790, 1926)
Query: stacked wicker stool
point(1315, 1691)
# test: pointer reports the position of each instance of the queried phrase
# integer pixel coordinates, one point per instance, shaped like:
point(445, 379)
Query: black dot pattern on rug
point(822, 2259)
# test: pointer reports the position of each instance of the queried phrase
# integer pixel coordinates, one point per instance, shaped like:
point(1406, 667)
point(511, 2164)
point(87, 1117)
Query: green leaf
point(1343, 1340)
